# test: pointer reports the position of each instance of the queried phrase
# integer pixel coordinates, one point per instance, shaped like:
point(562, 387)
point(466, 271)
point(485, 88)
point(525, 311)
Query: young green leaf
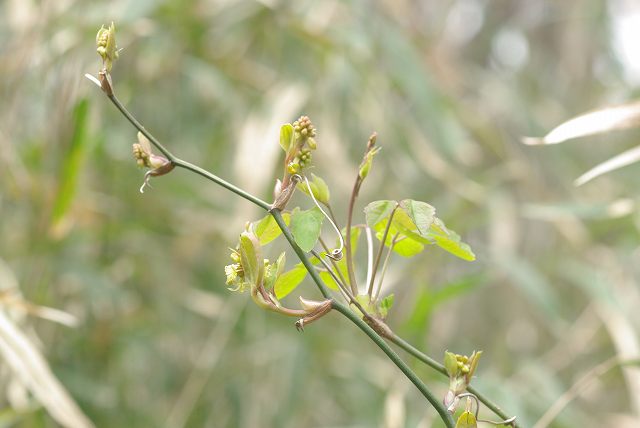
point(305, 226)
point(286, 136)
point(421, 214)
point(385, 305)
point(288, 281)
point(251, 258)
point(273, 271)
point(377, 211)
point(449, 241)
point(467, 420)
point(407, 247)
point(318, 187)
point(267, 229)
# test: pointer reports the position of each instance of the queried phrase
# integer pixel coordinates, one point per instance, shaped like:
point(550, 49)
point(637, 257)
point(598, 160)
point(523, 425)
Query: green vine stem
point(343, 309)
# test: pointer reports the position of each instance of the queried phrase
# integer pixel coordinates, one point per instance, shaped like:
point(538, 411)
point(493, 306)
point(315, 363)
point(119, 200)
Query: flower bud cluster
point(106, 45)
point(303, 143)
point(460, 369)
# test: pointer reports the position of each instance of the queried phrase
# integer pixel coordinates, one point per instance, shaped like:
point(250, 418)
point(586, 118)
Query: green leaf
point(71, 167)
point(286, 136)
point(251, 258)
point(406, 247)
point(421, 214)
point(267, 229)
point(288, 281)
point(385, 305)
point(451, 363)
point(449, 241)
point(318, 187)
point(377, 211)
point(273, 271)
point(328, 280)
point(467, 420)
point(305, 226)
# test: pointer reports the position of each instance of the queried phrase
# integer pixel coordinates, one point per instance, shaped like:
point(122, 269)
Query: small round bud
point(293, 167)
point(304, 132)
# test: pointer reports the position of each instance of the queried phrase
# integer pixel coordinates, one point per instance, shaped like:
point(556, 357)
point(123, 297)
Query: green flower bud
point(106, 45)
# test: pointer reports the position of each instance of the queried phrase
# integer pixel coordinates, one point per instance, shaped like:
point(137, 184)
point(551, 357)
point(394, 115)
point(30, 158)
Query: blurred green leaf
point(305, 226)
point(71, 167)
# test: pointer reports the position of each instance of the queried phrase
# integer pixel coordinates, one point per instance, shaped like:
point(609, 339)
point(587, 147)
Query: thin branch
point(352, 202)
point(384, 266)
point(380, 250)
point(184, 164)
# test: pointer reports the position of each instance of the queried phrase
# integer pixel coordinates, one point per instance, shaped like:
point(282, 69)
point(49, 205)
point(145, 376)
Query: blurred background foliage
point(450, 87)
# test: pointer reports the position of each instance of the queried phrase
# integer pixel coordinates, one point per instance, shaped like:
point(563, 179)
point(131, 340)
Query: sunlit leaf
point(377, 211)
point(420, 213)
point(619, 161)
point(305, 226)
point(595, 122)
point(407, 247)
point(288, 281)
point(267, 229)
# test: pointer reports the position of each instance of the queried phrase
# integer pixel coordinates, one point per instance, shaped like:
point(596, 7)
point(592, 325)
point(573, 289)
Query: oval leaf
point(288, 281)
point(305, 226)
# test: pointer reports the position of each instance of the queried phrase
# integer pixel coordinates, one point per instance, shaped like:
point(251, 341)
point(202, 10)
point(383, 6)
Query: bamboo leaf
point(595, 122)
point(619, 161)
point(71, 167)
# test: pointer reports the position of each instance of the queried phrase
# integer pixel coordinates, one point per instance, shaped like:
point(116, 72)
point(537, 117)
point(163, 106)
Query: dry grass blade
point(619, 161)
point(29, 366)
point(595, 122)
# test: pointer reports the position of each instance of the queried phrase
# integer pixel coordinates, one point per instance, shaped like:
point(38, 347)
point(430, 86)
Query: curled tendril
point(335, 254)
point(509, 421)
point(146, 183)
